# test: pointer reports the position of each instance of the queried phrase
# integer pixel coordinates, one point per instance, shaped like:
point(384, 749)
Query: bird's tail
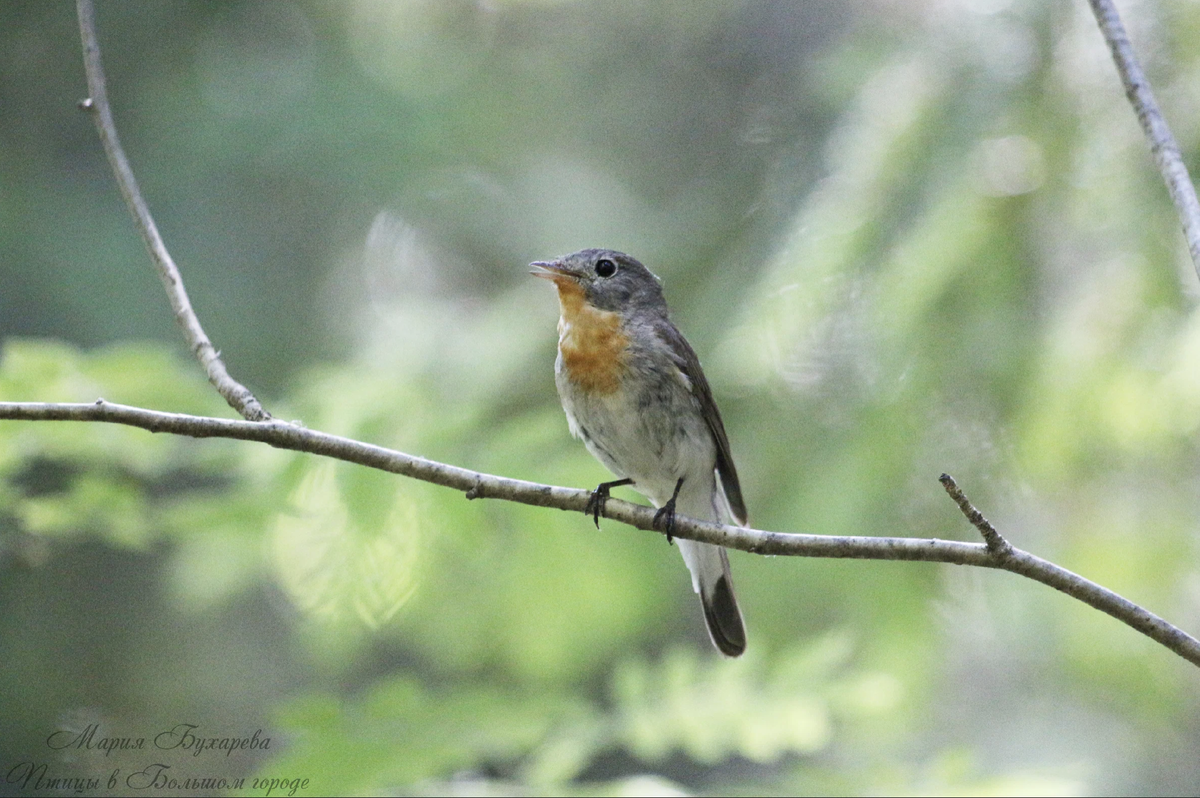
point(711, 579)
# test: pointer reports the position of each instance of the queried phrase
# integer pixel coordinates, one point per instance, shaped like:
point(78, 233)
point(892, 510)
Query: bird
point(633, 391)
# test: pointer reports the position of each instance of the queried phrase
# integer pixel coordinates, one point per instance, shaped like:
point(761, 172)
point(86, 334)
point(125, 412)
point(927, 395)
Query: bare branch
point(476, 485)
point(236, 394)
point(1162, 142)
point(995, 543)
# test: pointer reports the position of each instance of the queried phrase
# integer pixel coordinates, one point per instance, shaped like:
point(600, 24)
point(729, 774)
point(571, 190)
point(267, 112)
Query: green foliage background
point(905, 239)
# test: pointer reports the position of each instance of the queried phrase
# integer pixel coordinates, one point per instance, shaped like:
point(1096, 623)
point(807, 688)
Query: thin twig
point(995, 542)
point(1162, 143)
point(236, 394)
point(486, 486)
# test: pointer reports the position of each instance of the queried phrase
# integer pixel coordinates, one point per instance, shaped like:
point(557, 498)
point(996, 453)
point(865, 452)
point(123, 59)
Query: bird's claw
point(595, 503)
point(664, 519)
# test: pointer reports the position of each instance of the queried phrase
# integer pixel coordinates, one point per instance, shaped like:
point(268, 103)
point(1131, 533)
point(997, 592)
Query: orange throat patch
point(591, 341)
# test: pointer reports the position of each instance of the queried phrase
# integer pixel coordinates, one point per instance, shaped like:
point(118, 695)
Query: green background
point(904, 239)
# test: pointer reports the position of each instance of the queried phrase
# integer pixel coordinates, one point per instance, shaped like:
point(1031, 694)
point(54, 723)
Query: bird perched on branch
point(635, 394)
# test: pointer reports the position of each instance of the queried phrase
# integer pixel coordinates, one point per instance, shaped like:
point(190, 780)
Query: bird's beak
point(553, 270)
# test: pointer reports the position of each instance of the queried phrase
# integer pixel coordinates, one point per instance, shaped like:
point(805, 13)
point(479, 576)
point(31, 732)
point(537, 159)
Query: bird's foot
point(599, 497)
point(664, 519)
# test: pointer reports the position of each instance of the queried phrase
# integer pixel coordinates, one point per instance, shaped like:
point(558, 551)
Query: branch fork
point(996, 544)
point(237, 395)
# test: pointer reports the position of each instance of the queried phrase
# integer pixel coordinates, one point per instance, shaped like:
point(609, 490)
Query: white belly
point(653, 440)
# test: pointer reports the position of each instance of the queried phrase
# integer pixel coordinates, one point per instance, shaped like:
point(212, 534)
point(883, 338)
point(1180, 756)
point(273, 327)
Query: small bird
point(635, 394)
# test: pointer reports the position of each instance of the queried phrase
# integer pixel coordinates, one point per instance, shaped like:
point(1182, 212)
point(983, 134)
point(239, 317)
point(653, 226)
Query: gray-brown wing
point(689, 364)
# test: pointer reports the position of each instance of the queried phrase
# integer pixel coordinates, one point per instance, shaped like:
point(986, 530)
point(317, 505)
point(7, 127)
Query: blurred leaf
point(401, 733)
point(833, 234)
point(110, 479)
point(335, 566)
point(715, 709)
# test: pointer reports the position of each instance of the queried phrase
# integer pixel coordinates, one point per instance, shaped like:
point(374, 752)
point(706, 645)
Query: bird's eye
point(605, 268)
